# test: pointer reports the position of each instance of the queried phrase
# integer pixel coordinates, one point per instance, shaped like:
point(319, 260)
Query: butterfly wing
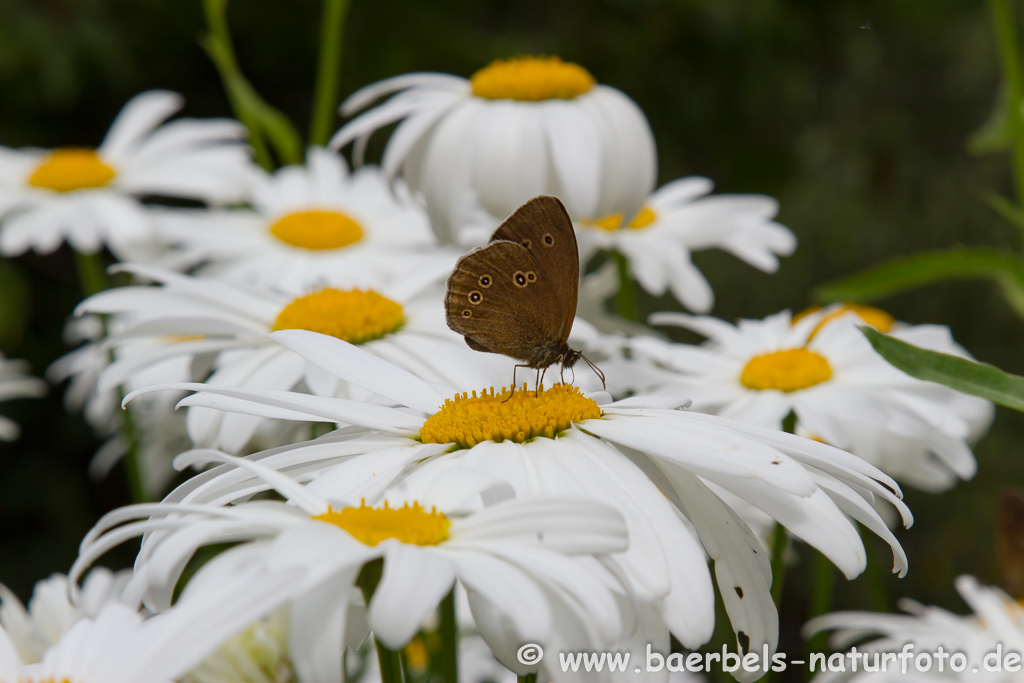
point(543, 227)
point(499, 298)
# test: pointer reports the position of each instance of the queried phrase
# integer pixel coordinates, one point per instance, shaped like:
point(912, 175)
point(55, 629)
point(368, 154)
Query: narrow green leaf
point(996, 134)
point(262, 120)
point(917, 270)
point(1005, 208)
point(325, 97)
point(967, 376)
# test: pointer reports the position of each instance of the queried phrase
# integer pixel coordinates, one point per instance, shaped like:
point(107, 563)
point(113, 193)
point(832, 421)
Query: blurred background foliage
point(854, 114)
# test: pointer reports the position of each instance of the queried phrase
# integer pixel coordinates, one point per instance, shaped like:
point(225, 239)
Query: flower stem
point(390, 663)
point(133, 467)
point(876, 580)
point(528, 678)
point(1009, 52)
point(325, 99)
point(449, 640)
point(822, 587)
point(626, 297)
point(779, 539)
point(390, 660)
point(92, 274)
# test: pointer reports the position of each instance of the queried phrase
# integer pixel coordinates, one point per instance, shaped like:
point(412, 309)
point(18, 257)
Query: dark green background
point(853, 114)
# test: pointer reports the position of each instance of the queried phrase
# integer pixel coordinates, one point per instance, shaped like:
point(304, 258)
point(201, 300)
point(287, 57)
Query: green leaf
point(996, 134)
point(1005, 208)
point(911, 272)
point(967, 376)
point(263, 121)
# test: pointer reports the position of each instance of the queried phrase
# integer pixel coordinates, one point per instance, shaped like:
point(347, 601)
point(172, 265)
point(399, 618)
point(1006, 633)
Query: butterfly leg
point(514, 368)
point(538, 380)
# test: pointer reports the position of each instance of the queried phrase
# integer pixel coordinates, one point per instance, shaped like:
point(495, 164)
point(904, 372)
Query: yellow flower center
point(789, 370)
point(531, 79)
point(317, 230)
point(523, 415)
point(875, 317)
point(409, 524)
point(613, 221)
point(417, 656)
point(353, 315)
point(74, 168)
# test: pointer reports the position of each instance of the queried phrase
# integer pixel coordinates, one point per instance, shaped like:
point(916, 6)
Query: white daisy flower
point(90, 198)
point(16, 382)
point(119, 646)
point(680, 218)
point(51, 613)
point(627, 453)
point(516, 129)
point(158, 432)
point(985, 638)
point(824, 371)
point(528, 565)
point(224, 326)
point(313, 225)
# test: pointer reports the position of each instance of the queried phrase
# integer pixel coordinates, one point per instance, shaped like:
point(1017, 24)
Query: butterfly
point(516, 296)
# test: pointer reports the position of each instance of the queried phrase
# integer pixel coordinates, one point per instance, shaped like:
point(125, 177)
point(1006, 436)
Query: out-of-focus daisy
point(119, 646)
point(16, 382)
point(158, 432)
point(225, 325)
point(997, 621)
point(840, 390)
point(626, 453)
point(312, 225)
point(51, 613)
point(90, 198)
point(516, 129)
point(528, 565)
point(681, 218)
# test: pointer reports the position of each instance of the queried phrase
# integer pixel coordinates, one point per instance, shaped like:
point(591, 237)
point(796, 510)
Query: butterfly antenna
point(597, 371)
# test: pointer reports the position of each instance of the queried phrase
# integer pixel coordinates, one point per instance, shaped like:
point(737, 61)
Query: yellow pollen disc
point(643, 219)
point(613, 221)
point(409, 524)
point(789, 370)
point(531, 79)
point(70, 169)
point(354, 315)
point(417, 656)
point(317, 230)
point(468, 420)
point(875, 317)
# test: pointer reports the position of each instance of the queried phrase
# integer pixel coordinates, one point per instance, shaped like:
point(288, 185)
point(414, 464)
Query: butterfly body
point(516, 296)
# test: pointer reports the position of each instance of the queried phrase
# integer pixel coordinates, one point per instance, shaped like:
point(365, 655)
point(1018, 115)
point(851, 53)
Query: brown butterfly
point(517, 295)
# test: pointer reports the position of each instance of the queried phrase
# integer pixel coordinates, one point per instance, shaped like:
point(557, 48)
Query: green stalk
point(873, 574)
point(627, 292)
point(822, 587)
point(779, 538)
point(1009, 53)
point(390, 660)
point(133, 468)
point(449, 640)
point(219, 46)
point(92, 274)
point(325, 99)
point(528, 678)
point(390, 663)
